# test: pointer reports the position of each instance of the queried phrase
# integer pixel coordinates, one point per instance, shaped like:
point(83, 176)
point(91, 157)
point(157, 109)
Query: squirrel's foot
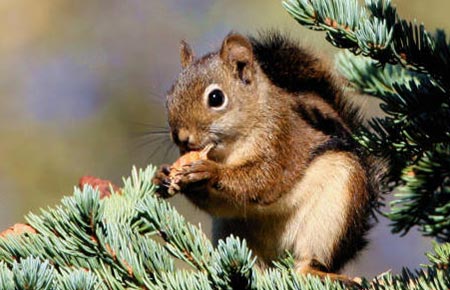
point(345, 280)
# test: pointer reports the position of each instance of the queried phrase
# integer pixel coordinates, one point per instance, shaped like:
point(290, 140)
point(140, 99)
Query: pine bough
point(134, 240)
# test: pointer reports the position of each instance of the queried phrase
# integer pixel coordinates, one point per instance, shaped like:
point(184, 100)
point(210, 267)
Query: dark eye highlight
point(216, 98)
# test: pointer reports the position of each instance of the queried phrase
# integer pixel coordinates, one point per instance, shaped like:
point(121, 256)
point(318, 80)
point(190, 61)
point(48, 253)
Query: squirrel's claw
point(162, 180)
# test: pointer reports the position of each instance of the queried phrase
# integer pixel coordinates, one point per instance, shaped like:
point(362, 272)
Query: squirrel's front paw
point(202, 172)
point(162, 180)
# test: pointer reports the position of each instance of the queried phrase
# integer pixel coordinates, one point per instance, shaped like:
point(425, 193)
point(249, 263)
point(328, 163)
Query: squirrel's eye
point(216, 98)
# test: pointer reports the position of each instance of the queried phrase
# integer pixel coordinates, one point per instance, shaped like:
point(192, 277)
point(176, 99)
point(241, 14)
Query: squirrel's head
point(215, 98)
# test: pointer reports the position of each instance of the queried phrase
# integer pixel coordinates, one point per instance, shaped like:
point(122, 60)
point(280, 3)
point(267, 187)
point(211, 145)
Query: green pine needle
point(122, 253)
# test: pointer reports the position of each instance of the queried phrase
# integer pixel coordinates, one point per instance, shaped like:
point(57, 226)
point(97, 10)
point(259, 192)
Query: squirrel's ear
point(186, 54)
point(237, 51)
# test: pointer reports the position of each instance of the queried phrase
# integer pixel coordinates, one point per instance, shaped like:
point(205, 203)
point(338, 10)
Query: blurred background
point(83, 82)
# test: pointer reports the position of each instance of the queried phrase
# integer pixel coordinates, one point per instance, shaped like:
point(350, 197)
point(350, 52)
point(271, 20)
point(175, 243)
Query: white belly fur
point(308, 221)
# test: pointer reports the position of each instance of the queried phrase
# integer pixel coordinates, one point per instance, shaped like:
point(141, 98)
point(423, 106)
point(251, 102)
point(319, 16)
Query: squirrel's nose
point(185, 139)
point(184, 136)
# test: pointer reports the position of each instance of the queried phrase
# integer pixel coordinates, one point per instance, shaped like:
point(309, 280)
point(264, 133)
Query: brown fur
point(285, 173)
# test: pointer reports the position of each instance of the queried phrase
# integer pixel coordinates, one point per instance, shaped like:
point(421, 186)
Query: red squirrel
point(284, 171)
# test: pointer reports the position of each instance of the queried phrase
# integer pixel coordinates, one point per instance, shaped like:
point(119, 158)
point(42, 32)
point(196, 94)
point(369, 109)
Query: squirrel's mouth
point(206, 148)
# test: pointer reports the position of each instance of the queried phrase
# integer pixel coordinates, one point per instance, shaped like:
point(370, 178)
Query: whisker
point(149, 130)
point(154, 139)
point(149, 125)
point(150, 138)
point(153, 133)
point(149, 142)
point(155, 150)
point(168, 150)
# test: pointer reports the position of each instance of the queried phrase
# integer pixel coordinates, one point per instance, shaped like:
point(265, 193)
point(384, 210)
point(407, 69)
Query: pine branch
point(109, 244)
point(376, 31)
point(424, 200)
point(416, 127)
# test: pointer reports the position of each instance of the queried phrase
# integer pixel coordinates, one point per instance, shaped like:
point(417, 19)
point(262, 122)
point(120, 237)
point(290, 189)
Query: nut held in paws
point(187, 158)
